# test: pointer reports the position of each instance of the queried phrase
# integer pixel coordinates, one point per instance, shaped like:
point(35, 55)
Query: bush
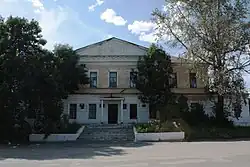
point(196, 116)
point(71, 128)
point(216, 133)
point(156, 126)
point(60, 127)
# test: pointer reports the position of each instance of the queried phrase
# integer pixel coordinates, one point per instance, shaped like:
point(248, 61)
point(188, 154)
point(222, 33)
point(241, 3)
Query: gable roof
point(136, 46)
point(113, 38)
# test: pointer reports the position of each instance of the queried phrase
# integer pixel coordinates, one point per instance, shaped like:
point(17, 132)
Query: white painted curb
point(56, 137)
point(164, 136)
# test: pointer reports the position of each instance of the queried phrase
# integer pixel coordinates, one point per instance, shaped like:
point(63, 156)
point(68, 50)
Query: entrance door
point(112, 113)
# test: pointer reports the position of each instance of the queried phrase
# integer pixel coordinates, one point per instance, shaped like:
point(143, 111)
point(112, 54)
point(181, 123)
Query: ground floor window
point(72, 111)
point(92, 111)
point(133, 111)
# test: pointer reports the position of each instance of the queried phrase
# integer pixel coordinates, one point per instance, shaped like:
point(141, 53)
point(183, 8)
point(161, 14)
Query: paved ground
point(196, 154)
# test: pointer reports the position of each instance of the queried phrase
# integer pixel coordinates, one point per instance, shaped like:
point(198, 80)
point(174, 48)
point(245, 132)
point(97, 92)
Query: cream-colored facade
point(116, 58)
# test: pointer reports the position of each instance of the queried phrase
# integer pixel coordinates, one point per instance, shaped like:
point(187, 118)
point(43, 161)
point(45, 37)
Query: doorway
point(112, 113)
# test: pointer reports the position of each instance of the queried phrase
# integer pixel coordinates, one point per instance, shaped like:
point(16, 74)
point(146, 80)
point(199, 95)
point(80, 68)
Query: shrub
point(156, 126)
point(196, 116)
point(71, 128)
point(215, 133)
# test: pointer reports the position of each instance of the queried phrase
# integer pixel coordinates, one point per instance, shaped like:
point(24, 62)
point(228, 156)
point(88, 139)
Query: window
point(144, 105)
point(173, 80)
point(81, 106)
point(92, 111)
point(112, 79)
point(193, 80)
point(132, 77)
point(133, 111)
point(93, 79)
point(124, 106)
point(72, 111)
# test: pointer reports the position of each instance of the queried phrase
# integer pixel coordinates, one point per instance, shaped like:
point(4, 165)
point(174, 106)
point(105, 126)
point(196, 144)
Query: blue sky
point(82, 22)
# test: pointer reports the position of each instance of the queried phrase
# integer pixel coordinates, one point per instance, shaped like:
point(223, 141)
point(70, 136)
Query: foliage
point(215, 133)
point(182, 102)
point(237, 108)
point(71, 128)
point(152, 77)
point(156, 126)
point(196, 116)
point(170, 111)
point(214, 36)
point(33, 80)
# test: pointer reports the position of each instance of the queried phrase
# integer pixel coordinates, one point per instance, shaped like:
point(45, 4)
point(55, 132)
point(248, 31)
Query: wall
point(123, 74)
point(82, 115)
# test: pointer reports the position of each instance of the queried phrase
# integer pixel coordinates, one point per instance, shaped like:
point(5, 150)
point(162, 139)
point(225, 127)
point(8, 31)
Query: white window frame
point(117, 81)
point(95, 110)
point(97, 82)
point(69, 110)
point(130, 80)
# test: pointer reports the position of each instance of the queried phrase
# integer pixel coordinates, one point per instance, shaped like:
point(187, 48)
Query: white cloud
point(97, 3)
point(137, 27)
point(50, 22)
point(148, 37)
point(110, 16)
point(38, 5)
point(145, 30)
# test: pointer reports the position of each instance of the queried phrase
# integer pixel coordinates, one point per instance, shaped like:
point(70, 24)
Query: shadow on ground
point(76, 150)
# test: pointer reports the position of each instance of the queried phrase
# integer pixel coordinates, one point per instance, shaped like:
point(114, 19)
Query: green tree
point(214, 34)
point(153, 78)
point(19, 38)
point(33, 80)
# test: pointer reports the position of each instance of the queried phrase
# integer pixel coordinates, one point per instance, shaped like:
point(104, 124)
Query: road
point(163, 154)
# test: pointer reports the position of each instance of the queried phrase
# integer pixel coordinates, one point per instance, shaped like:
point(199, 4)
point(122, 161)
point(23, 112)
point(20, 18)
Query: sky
point(83, 22)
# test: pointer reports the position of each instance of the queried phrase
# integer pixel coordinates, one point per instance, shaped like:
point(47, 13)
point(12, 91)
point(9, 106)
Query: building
point(111, 97)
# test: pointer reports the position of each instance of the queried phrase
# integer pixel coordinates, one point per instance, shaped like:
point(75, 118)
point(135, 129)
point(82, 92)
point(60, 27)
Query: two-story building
point(111, 96)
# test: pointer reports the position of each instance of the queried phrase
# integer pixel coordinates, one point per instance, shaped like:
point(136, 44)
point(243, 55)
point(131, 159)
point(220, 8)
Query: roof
point(124, 41)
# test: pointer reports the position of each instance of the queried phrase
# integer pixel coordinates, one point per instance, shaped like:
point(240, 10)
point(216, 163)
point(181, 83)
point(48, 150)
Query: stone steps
point(107, 133)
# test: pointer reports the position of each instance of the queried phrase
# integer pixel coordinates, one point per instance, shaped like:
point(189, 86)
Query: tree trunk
point(220, 108)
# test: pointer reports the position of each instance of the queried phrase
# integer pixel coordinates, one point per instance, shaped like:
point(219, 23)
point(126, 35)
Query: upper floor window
point(193, 80)
point(173, 80)
point(132, 83)
point(93, 79)
point(113, 79)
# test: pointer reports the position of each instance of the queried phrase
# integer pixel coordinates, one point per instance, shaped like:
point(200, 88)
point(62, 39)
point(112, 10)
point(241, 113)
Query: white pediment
point(112, 47)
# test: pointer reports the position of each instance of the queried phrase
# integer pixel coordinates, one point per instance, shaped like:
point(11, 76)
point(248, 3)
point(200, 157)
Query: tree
point(152, 78)
point(33, 80)
point(49, 81)
point(67, 60)
point(19, 38)
point(214, 34)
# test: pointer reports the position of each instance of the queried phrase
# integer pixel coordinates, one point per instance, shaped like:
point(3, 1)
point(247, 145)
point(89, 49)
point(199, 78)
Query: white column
point(121, 111)
point(102, 111)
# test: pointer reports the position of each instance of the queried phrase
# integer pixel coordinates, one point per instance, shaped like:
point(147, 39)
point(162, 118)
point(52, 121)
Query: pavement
point(162, 154)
